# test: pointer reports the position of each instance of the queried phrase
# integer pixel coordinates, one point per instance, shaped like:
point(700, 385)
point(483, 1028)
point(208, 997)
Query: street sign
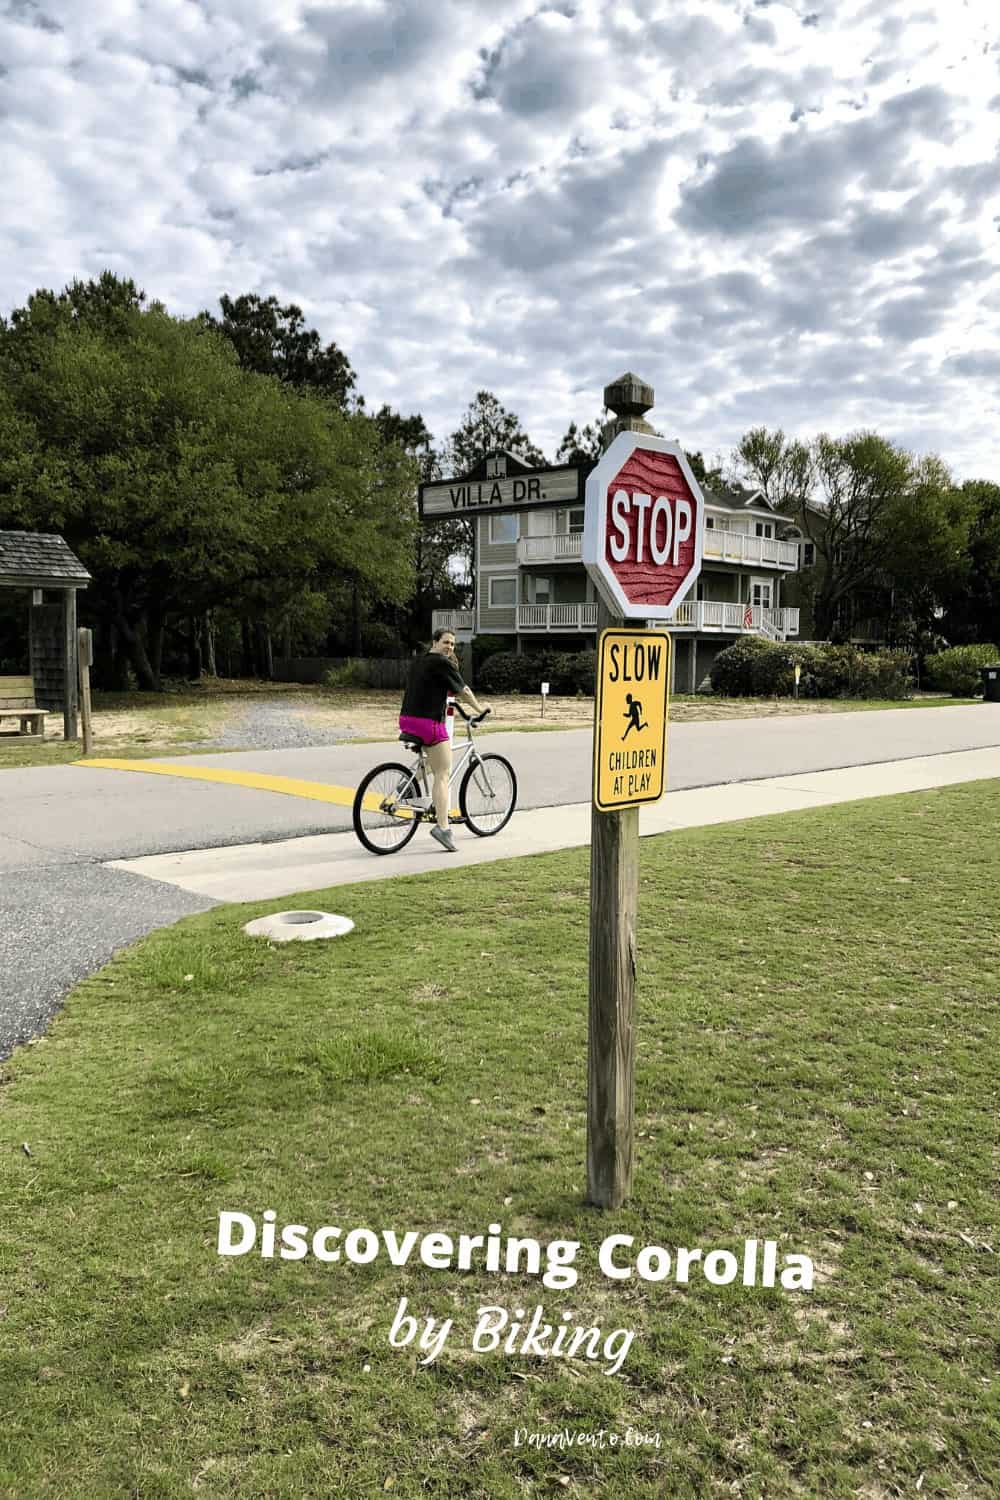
point(630, 741)
point(500, 482)
point(643, 527)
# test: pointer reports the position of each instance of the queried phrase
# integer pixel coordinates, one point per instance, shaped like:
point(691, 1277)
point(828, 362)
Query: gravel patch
point(278, 726)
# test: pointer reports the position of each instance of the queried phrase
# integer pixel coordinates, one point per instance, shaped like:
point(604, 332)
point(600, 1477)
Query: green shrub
point(502, 673)
point(956, 671)
point(568, 673)
point(847, 672)
point(753, 667)
point(353, 674)
point(731, 673)
point(584, 674)
point(485, 646)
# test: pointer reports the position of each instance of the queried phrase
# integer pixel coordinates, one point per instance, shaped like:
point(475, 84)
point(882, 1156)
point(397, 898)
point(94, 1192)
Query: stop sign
point(644, 519)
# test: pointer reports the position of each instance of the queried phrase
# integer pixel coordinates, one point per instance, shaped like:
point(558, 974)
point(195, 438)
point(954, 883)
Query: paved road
point(81, 813)
point(62, 914)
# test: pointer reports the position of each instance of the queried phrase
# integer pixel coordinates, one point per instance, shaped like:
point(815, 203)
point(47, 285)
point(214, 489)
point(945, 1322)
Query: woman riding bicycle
point(425, 702)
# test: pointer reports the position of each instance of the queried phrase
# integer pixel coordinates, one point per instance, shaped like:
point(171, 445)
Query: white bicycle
point(394, 799)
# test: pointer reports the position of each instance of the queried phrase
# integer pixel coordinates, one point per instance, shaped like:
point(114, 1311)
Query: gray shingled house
point(531, 585)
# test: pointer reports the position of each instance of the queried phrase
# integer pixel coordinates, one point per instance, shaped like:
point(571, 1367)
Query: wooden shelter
point(45, 567)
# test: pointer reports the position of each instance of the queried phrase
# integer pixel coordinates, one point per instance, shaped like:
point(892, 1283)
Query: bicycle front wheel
point(384, 821)
point(488, 794)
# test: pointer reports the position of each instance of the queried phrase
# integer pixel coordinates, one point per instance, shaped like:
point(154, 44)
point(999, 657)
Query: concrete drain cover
point(301, 926)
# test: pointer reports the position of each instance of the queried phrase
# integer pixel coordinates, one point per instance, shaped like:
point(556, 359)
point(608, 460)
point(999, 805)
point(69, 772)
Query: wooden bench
point(17, 695)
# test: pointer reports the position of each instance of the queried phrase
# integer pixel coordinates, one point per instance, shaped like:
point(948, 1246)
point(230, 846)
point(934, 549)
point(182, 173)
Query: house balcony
point(692, 615)
point(550, 549)
point(567, 619)
point(750, 551)
point(461, 621)
point(735, 619)
point(719, 546)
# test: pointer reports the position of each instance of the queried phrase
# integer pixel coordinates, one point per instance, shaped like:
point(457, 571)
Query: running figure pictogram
point(633, 713)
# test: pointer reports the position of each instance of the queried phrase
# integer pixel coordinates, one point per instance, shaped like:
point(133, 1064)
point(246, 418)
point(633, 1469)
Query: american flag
point(748, 617)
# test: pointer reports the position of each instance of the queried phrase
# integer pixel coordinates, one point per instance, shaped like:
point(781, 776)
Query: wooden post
point(85, 656)
point(614, 900)
point(69, 665)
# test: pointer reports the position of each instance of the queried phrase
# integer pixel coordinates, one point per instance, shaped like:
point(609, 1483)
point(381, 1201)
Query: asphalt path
point(62, 914)
point(82, 813)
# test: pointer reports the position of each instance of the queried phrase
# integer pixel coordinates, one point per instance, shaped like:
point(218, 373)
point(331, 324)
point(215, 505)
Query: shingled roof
point(731, 497)
point(30, 560)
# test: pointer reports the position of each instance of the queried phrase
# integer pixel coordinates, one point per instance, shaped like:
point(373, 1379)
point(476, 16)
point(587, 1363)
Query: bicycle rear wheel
point(383, 819)
point(488, 794)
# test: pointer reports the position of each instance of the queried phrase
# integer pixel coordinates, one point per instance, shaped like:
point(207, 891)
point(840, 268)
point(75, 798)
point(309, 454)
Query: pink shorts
point(428, 730)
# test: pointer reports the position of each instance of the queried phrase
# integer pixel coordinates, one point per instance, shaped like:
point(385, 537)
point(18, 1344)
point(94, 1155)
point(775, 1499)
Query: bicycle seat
point(411, 742)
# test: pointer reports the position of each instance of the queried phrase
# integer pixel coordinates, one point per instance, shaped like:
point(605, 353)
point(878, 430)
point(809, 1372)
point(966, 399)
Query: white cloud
point(777, 213)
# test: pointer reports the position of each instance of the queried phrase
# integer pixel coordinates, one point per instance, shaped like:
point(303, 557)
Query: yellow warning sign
point(630, 720)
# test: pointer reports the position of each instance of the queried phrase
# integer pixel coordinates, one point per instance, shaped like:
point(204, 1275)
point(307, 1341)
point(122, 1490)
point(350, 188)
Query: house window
point(760, 592)
point(764, 528)
point(537, 522)
point(503, 528)
point(503, 592)
point(538, 588)
point(717, 523)
point(570, 522)
point(808, 554)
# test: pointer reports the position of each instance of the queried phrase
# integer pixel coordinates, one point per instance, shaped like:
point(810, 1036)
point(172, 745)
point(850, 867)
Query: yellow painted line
point(287, 786)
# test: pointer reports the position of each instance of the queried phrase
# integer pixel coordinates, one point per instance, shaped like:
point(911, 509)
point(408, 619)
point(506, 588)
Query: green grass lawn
point(818, 1034)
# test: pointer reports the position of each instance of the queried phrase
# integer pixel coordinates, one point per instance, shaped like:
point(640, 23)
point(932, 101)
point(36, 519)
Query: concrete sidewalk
point(265, 872)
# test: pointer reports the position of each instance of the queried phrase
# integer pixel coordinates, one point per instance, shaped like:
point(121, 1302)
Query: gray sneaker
point(445, 838)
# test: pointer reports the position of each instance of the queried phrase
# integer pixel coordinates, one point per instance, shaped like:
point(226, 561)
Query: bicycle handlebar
point(472, 718)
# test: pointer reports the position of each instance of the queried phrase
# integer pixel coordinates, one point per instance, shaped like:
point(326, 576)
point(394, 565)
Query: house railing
point(692, 614)
point(547, 549)
point(738, 547)
point(741, 619)
point(453, 619)
point(564, 617)
point(719, 546)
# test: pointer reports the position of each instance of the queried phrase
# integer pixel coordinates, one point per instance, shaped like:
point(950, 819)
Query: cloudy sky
point(775, 211)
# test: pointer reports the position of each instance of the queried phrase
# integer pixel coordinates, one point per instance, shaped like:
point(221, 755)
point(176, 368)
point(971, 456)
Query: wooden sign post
point(643, 552)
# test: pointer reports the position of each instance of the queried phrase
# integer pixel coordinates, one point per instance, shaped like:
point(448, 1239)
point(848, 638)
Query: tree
point(972, 603)
point(273, 340)
point(712, 479)
point(924, 538)
point(888, 530)
point(184, 481)
point(781, 468)
point(581, 446)
point(408, 433)
point(486, 426)
point(436, 545)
